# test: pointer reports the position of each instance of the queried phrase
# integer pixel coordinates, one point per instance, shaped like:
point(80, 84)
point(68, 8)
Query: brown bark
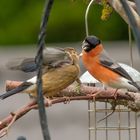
point(128, 99)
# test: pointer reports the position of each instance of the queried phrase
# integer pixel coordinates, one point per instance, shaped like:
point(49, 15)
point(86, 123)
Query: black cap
point(90, 43)
point(93, 41)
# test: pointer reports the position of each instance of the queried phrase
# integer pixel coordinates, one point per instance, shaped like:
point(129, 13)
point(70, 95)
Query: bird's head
point(72, 54)
point(90, 42)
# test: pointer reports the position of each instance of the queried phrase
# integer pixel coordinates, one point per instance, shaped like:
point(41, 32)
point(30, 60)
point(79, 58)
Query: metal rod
point(131, 64)
point(136, 131)
point(106, 121)
point(132, 22)
point(138, 5)
point(119, 123)
point(109, 110)
point(113, 128)
point(89, 118)
point(95, 126)
point(129, 124)
point(39, 58)
point(86, 17)
point(130, 46)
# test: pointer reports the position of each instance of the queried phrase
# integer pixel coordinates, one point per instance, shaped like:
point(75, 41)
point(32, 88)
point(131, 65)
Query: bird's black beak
point(86, 46)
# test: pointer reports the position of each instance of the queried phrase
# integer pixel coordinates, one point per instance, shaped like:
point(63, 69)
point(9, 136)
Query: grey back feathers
point(23, 64)
point(109, 63)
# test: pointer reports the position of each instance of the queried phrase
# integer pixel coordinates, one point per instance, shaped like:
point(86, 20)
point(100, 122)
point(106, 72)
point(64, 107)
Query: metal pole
point(138, 5)
point(132, 22)
point(86, 17)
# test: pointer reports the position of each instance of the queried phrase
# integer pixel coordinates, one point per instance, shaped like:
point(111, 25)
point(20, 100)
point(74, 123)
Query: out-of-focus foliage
point(20, 22)
point(106, 11)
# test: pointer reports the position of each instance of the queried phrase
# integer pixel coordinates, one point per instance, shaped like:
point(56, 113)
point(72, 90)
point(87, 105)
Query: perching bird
point(51, 56)
point(58, 76)
point(103, 68)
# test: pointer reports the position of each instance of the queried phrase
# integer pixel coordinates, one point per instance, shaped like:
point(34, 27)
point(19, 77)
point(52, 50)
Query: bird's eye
point(87, 48)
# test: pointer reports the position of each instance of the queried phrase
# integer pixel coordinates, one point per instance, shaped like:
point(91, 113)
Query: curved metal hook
point(86, 17)
point(130, 46)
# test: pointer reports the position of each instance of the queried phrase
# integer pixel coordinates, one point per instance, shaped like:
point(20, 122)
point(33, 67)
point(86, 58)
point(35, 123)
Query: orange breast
point(97, 70)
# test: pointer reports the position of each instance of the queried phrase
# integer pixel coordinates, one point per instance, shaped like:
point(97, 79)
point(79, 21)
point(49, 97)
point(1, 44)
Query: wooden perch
point(128, 99)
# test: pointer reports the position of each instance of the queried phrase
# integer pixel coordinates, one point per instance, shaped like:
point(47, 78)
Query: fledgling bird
point(60, 74)
point(103, 68)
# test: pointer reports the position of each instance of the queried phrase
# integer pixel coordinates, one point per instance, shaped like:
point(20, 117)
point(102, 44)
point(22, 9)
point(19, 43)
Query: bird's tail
point(135, 84)
point(138, 87)
point(22, 64)
point(20, 88)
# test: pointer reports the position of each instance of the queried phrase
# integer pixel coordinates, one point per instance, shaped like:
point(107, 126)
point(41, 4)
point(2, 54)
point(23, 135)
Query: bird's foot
point(115, 94)
point(49, 102)
point(94, 95)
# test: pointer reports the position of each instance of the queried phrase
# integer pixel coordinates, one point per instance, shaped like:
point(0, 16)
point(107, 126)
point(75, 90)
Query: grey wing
point(109, 63)
point(51, 55)
point(51, 58)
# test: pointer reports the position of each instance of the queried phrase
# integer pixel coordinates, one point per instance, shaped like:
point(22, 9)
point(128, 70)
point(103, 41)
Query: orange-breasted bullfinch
point(60, 74)
point(103, 68)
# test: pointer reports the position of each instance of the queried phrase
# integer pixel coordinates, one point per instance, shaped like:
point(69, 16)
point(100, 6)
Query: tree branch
point(120, 10)
point(128, 99)
point(116, 4)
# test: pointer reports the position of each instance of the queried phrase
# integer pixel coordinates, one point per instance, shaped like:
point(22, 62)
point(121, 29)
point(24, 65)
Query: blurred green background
point(20, 22)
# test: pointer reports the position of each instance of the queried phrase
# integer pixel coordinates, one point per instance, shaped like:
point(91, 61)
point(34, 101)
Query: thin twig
point(5, 130)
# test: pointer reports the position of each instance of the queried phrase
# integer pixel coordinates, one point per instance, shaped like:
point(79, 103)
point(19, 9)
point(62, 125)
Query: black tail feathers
point(20, 88)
